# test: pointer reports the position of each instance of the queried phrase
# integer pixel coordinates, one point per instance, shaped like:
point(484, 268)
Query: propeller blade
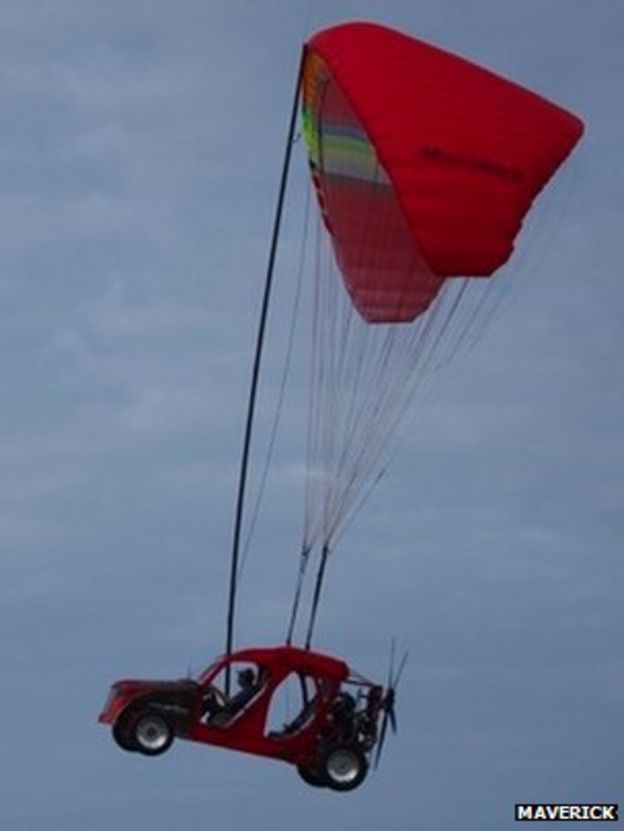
point(388, 717)
point(392, 719)
point(382, 739)
point(389, 708)
point(391, 662)
point(399, 673)
point(388, 705)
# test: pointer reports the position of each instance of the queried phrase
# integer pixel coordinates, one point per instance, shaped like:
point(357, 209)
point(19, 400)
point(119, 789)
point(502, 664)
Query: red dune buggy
point(329, 740)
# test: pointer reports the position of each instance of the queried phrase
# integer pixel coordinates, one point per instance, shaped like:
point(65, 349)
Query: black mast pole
point(240, 501)
point(317, 594)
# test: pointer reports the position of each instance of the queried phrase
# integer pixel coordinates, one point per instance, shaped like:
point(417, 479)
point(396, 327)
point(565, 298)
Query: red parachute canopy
point(424, 163)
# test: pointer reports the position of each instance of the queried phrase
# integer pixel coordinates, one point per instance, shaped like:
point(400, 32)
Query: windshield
point(203, 676)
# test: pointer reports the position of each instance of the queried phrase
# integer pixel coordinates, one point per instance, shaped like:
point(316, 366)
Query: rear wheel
point(343, 767)
point(151, 733)
point(311, 776)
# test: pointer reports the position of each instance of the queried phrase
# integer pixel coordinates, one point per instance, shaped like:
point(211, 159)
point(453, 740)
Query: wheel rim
point(343, 767)
point(152, 732)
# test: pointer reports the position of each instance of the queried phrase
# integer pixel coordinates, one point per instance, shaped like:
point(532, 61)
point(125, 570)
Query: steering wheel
point(214, 694)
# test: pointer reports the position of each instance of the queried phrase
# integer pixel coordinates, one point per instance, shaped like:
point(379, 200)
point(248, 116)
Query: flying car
point(342, 717)
point(424, 167)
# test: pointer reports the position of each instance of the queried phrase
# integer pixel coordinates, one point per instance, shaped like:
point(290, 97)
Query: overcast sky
point(140, 148)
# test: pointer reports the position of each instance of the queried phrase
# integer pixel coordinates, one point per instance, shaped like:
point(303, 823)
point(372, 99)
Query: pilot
point(248, 684)
point(220, 710)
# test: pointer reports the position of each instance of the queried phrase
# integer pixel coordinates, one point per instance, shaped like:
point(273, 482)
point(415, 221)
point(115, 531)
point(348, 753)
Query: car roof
point(295, 659)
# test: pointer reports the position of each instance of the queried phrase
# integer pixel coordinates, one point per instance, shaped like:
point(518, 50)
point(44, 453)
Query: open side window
point(292, 706)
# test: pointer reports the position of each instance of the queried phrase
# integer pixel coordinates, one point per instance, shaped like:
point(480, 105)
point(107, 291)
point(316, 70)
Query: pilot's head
point(246, 677)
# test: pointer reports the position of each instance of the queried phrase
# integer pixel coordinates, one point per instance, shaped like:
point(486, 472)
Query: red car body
point(325, 721)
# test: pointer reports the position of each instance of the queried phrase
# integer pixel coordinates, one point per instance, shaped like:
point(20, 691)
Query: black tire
point(343, 766)
point(122, 732)
point(311, 776)
point(151, 733)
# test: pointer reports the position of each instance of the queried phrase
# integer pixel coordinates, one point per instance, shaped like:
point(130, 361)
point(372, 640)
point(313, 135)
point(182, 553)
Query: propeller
point(389, 700)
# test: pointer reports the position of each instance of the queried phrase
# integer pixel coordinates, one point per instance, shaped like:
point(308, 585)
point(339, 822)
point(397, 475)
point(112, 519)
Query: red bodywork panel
point(246, 730)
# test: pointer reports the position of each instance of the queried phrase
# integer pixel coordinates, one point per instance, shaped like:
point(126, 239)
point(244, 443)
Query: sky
point(140, 149)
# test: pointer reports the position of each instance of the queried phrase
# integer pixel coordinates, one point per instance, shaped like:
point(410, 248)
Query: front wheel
point(151, 733)
point(122, 732)
point(343, 767)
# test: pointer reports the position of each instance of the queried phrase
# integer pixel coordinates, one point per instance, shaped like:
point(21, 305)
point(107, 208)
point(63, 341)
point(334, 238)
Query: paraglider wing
point(424, 163)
